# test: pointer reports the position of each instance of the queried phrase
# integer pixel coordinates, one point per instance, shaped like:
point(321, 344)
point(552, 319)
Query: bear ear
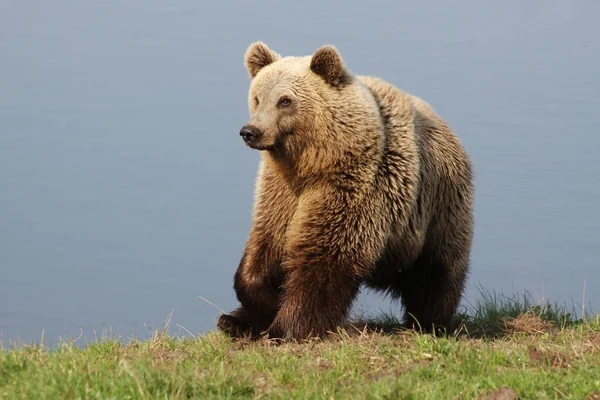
point(328, 63)
point(259, 56)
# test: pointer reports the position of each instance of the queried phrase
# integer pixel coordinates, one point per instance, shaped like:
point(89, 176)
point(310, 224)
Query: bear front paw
point(275, 332)
point(234, 326)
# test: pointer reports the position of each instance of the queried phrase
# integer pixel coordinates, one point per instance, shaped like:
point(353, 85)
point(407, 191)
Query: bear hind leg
point(431, 290)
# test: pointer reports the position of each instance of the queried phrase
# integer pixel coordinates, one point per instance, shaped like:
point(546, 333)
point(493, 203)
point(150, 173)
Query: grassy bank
point(504, 348)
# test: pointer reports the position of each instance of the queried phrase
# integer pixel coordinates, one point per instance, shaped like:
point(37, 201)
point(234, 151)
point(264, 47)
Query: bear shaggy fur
point(359, 183)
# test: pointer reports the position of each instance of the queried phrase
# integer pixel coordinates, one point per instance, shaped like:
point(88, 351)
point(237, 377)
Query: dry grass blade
point(527, 323)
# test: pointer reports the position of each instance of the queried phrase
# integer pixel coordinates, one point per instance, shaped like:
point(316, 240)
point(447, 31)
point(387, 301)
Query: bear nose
point(249, 133)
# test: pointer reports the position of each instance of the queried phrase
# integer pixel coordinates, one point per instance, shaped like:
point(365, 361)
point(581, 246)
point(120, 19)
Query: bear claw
point(234, 327)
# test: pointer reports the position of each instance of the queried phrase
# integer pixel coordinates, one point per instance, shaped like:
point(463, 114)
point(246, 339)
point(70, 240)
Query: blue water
point(126, 192)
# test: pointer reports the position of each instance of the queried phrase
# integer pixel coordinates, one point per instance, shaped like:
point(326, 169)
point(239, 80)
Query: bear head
point(291, 99)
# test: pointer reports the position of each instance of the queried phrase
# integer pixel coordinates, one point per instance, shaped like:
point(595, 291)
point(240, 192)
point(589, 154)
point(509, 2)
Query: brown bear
point(359, 183)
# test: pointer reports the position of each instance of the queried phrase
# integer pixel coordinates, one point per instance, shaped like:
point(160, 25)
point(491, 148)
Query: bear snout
point(250, 134)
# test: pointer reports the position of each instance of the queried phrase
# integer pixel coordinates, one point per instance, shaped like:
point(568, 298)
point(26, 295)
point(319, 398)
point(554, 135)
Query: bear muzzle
point(251, 135)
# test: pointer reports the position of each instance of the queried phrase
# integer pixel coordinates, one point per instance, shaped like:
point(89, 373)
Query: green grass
point(535, 351)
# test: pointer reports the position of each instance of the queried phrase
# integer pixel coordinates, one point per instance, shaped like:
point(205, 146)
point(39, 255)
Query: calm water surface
point(126, 192)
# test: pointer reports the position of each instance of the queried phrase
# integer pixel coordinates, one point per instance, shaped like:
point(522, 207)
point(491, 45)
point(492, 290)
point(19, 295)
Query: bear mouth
point(262, 147)
point(276, 147)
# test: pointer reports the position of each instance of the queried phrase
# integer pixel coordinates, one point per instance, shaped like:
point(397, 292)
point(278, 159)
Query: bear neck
point(326, 164)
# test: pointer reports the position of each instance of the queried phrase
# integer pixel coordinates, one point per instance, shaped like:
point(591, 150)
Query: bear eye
point(256, 100)
point(284, 102)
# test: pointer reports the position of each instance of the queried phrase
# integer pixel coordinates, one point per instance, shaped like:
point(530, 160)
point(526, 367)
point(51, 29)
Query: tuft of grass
point(503, 349)
point(495, 314)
